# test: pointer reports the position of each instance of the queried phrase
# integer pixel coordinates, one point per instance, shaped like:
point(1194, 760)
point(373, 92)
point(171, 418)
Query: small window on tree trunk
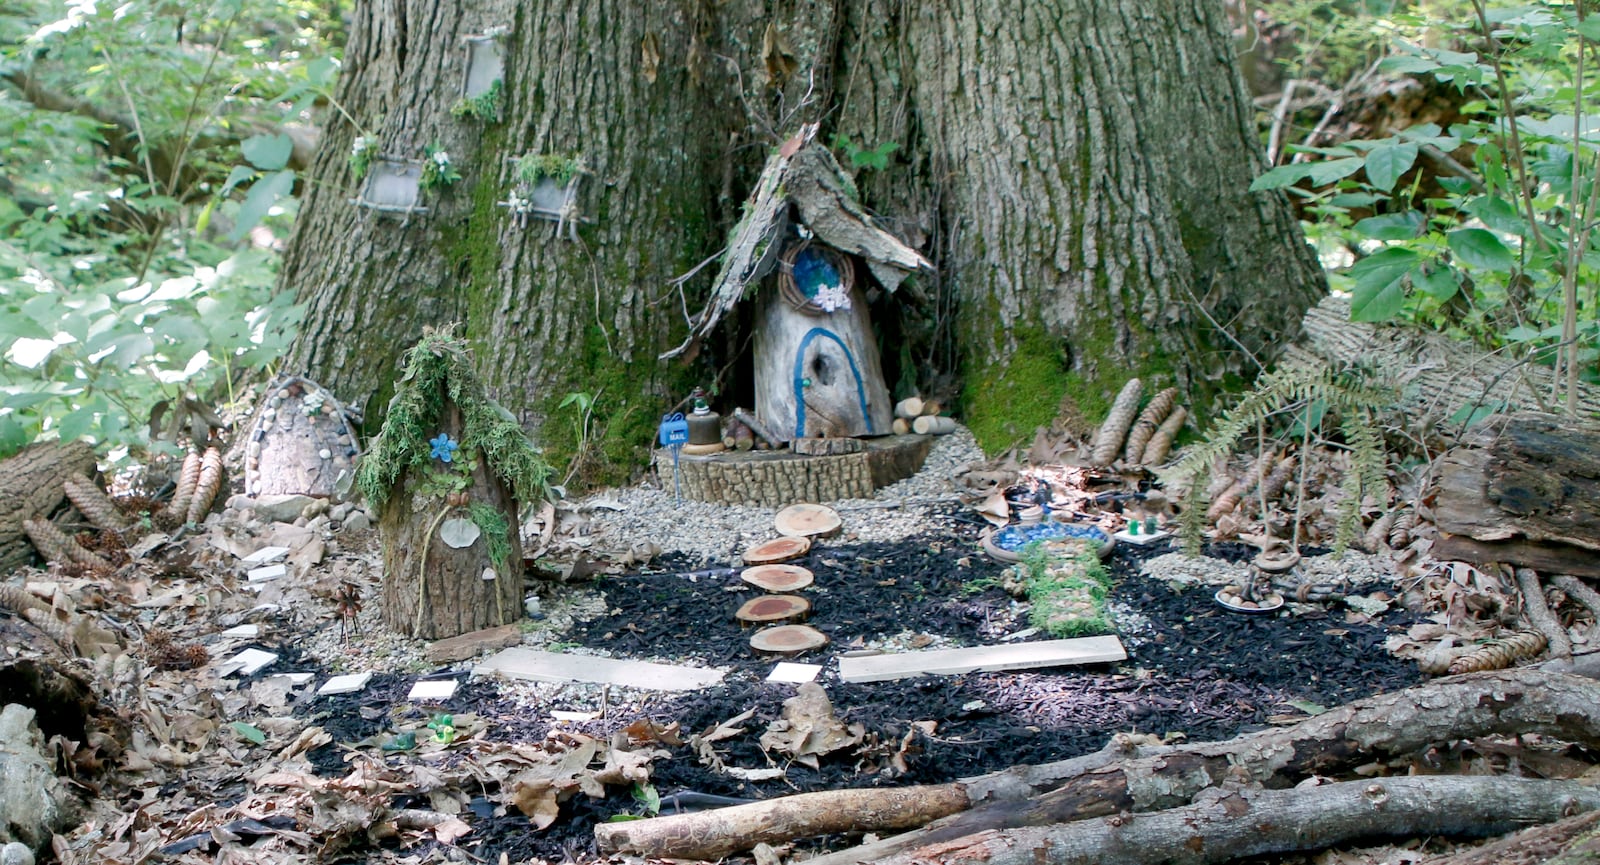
point(393, 186)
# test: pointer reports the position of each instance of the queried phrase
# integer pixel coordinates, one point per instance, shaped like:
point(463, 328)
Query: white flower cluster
point(359, 145)
point(441, 159)
point(832, 297)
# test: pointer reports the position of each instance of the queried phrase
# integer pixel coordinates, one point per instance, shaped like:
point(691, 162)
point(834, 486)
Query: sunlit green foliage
point(1483, 228)
point(146, 183)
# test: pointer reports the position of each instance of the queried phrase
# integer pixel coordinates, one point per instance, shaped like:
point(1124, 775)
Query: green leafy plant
point(647, 803)
point(484, 108)
point(438, 170)
point(363, 152)
point(1305, 397)
point(530, 168)
point(1498, 250)
point(1067, 596)
point(860, 156)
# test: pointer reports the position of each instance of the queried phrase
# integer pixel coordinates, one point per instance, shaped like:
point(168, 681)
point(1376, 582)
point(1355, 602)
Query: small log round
point(773, 608)
point(933, 425)
point(777, 550)
point(715, 447)
point(777, 578)
point(910, 407)
point(807, 521)
point(787, 640)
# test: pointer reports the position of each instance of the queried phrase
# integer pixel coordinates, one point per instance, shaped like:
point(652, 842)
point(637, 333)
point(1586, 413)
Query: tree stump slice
point(787, 640)
point(827, 447)
point(778, 578)
point(30, 486)
point(775, 479)
point(777, 550)
point(773, 608)
point(807, 521)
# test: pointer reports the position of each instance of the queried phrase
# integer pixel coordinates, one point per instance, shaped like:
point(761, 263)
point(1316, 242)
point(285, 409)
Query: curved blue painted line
point(799, 370)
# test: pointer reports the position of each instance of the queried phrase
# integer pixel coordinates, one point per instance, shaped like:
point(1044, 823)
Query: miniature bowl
point(1005, 544)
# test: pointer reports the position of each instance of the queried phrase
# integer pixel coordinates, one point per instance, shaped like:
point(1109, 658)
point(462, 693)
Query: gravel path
point(714, 533)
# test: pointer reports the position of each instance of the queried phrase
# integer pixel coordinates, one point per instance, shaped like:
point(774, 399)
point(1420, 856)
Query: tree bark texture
point(30, 486)
point(1078, 170)
point(1527, 476)
point(1230, 825)
point(432, 591)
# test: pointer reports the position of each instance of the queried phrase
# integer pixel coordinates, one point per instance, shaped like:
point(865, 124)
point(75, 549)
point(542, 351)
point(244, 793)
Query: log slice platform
point(780, 478)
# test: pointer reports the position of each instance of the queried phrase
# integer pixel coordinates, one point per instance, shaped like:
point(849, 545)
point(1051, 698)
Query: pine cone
point(1500, 654)
point(54, 628)
point(1161, 442)
point(178, 508)
point(1109, 440)
point(1145, 427)
point(18, 600)
point(1276, 482)
point(58, 548)
point(95, 505)
point(207, 486)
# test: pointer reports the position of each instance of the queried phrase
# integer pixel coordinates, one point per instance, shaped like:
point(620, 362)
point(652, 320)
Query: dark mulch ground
point(1198, 670)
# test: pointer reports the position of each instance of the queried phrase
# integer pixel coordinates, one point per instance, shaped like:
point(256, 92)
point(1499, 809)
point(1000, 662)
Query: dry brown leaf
point(808, 728)
point(537, 802)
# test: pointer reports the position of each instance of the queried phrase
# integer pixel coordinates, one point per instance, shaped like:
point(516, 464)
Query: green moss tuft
point(1005, 401)
point(1068, 596)
point(496, 531)
point(440, 366)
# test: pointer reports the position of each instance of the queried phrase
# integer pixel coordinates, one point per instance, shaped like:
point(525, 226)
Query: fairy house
point(446, 476)
point(805, 252)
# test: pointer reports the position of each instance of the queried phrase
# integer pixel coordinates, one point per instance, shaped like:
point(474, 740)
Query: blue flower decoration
point(443, 448)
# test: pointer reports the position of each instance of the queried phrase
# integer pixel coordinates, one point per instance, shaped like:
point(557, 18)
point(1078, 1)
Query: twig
point(1579, 591)
point(1538, 612)
point(1279, 116)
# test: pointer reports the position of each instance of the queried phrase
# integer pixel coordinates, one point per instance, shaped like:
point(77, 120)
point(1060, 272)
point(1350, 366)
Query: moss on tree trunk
point(1079, 169)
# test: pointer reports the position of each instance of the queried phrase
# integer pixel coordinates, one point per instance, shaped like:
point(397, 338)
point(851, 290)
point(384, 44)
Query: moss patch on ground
point(1068, 595)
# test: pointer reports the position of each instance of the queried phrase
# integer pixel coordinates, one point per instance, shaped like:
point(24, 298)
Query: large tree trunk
point(1078, 169)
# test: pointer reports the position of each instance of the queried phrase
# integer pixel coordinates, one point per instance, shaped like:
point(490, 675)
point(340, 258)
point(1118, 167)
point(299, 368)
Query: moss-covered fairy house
point(447, 476)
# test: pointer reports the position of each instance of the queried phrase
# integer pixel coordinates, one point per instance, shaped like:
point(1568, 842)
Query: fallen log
point(715, 834)
point(30, 486)
point(1532, 846)
point(1527, 477)
point(1231, 825)
point(1126, 776)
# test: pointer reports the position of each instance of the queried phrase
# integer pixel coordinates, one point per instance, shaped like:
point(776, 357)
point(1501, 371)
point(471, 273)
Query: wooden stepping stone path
point(807, 521)
point(798, 524)
point(777, 550)
point(788, 640)
point(777, 578)
point(773, 608)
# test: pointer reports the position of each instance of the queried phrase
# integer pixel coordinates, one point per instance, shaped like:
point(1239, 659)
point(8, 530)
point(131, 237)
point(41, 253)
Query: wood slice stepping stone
point(773, 608)
point(787, 640)
point(807, 520)
point(777, 550)
point(777, 578)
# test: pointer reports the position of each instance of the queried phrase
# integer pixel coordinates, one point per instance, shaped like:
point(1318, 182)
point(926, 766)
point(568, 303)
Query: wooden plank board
point(1018, 656)
point(551, 667)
